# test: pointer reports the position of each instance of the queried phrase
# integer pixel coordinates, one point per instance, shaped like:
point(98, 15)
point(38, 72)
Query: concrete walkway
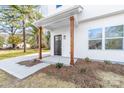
point(10, 65)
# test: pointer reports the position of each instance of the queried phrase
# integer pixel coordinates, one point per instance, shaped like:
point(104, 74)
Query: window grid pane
point(114, 43)
point(114, 37)
point(114, 31)
point(57, 6)
point(95, 44)
point(95, 33)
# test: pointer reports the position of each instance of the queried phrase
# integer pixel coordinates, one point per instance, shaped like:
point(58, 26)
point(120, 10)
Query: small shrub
point(35, 60)
point(83, 70)
point(100, 85)
point(107, 62)
point(59, 65)
point(87, 59)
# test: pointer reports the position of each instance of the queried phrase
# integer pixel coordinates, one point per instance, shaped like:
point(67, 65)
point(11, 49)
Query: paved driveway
point(10, 65)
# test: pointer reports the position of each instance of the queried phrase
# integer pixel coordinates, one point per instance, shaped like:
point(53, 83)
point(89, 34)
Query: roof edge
point(59, 13)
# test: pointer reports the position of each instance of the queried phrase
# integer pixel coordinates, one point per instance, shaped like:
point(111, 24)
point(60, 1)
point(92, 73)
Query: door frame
point(61, 44)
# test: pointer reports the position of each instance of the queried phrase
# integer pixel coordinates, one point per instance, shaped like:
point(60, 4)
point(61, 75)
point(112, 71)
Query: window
point(57, 6)
point(114, 37)
point(95, 38)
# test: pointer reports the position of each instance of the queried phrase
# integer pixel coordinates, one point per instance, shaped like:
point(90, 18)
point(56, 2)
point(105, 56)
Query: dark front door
point(57, 44)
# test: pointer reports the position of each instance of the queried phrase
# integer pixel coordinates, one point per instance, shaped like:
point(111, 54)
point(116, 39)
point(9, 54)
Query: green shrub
point(83, 70)
point(59, 65)
point(87, 59)
point(100, 85)
point(107, 62)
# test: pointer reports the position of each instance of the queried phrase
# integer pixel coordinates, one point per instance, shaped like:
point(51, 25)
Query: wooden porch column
point(72, 40)
point(40, 42)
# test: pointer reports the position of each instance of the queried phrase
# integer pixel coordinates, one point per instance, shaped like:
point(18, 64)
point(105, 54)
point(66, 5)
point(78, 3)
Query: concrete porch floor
point(57, 59)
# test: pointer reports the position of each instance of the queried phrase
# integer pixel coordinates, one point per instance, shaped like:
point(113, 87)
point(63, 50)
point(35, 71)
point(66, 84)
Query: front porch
point(65, 18)
point(58, 59)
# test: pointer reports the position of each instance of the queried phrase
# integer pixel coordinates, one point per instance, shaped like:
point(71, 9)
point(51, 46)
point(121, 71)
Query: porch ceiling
point(57, 24)
point(59, 19)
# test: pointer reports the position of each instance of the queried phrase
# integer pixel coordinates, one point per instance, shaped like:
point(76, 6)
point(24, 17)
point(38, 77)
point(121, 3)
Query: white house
point(21, 45)
point(90, 31)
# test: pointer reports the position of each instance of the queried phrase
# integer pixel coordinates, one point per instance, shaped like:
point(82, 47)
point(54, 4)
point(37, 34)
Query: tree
point(34, 40)
point(9, 20)
point(1, 41)
point(14, 40)
point(28, 14)
point(16, 19)
point(48, 39)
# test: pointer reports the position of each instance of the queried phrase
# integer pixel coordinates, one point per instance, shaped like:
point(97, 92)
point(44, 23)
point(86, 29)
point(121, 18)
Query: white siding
point(91, 11)
point(81, 40)
point(81, 35)
point(52, 9)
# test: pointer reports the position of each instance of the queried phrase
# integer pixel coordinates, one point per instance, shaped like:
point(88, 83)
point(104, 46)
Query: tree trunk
point(13, 46)
point(37, 40)
point(40, 43)
point(12, 33)
point(24, 41)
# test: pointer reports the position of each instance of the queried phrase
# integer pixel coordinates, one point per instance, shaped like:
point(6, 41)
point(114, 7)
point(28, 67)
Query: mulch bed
point(30, 63)
point(83, 74)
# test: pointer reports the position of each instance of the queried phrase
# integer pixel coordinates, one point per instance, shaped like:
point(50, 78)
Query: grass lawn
point(38, 80)
point(14, 53)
